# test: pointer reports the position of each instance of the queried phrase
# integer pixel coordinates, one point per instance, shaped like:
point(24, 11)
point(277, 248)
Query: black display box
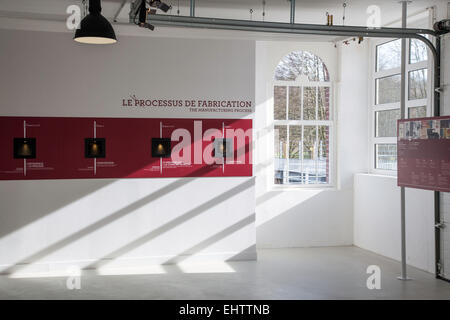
point(161, 147)
point(95, 148)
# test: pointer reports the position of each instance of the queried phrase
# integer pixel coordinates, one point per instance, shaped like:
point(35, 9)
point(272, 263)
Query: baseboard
point(64, 268)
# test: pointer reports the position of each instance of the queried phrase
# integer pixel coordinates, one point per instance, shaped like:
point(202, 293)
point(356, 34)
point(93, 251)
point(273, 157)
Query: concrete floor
point(309, 273)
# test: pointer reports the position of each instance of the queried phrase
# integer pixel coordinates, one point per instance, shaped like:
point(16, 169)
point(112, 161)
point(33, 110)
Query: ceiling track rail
point(306, 29)
point(248, 25)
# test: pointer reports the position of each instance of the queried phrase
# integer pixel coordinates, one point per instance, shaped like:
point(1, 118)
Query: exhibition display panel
point(424, 153)
point(84, 148)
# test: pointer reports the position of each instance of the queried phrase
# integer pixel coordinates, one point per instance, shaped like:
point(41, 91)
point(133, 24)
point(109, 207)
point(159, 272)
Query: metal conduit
point(292, 11)
point(192, 8)
point(215, 23)
point(288, 28)
point(308, 29)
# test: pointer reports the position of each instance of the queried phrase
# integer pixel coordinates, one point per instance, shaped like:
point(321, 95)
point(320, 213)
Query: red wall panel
point(60, 150)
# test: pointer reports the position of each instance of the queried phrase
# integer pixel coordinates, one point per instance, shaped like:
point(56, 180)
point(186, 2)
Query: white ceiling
point(307, 11)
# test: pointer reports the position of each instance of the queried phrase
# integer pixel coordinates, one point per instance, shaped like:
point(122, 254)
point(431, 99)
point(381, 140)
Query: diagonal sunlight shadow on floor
point(170, 225)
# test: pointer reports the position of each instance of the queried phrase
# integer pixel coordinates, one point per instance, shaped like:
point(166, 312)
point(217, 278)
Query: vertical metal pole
point(437, 197)
point(403, 275)
point(292, 11)
point(192, 11)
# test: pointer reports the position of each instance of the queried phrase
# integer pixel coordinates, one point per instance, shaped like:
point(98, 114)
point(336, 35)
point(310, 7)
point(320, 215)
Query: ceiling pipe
point(294, 28)
point(292, 11)
point(192, 8)
point(260, 26)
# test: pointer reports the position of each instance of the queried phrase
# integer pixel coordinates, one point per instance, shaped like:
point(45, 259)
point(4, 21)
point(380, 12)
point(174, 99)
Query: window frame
point(374, 108)
point(302, 82)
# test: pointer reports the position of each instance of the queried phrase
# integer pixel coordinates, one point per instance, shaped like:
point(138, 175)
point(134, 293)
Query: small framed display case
point(95, 148)
point(223, 148)
point(161, 147)
point(24, 148)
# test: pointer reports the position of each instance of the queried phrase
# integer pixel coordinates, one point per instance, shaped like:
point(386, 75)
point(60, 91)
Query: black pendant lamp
point(94, 28)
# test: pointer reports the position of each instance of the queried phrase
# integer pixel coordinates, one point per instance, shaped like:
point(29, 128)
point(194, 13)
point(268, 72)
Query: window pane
point(295, 156)
point(294, 103)
point(388, 89)
point(302, 63)
point(418, 51)
point(386, 156)
point(418, 84)
point(324, 103)
point(280, 135)
point(389, 55)
point(323, 155)
point(309, 103)
point(309, 154)
point(279, 103)
point(386, 123)
point(417, 112)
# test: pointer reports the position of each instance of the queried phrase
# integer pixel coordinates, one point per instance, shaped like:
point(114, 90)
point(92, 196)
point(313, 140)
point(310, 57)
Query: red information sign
point(423, 151)
point(86, 148)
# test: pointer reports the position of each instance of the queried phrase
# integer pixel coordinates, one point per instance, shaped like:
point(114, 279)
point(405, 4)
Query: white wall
point(48, 225)
point(50, 74)
point(377, 220)
point(377, 207)
point(311, 217)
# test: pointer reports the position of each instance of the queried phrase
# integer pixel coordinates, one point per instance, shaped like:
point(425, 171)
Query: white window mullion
point(316, 144)
point(387, 73)
point(287, 102)
point(316, 155)
point(301, 155)
point(387, 106)
point(301, 106)
point(317, 103)
point(287, 155)
point(286, 163)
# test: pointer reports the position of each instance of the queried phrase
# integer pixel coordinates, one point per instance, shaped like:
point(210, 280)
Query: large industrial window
point(302, 121)
point(385, 103)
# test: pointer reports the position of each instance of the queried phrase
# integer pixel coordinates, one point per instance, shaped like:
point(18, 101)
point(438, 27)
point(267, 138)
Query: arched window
point(304, 63)
point(302, 120)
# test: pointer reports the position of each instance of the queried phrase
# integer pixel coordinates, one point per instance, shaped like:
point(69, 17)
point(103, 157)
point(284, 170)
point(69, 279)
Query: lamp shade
point(95, 28)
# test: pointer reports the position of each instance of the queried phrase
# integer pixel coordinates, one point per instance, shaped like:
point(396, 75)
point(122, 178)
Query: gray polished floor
point(307, 273)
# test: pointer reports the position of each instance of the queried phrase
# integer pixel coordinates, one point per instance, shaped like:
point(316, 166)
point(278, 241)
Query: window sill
point(377, 175)
point(303, 188)
point(384, 173)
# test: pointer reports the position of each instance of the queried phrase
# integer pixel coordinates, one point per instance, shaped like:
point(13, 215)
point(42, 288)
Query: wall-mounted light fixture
point(95, 28)
point(161, 147)
point(95, 148)
point(24, 148)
